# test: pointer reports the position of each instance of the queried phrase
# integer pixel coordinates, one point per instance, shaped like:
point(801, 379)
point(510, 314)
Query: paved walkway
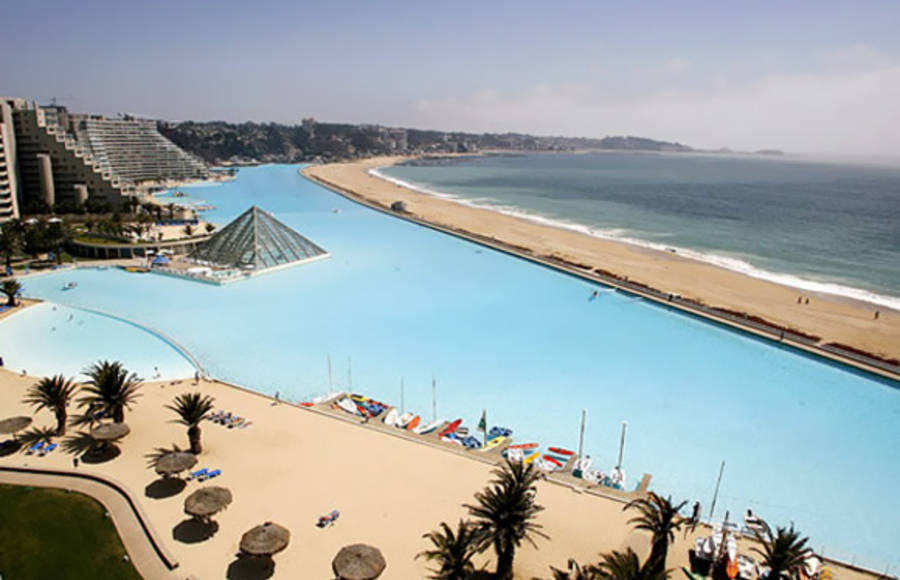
point(147, 553)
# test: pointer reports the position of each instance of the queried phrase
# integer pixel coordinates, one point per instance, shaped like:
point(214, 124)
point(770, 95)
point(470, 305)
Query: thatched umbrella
point(358, 562)
point(14, 424)
point(110, 432)
point(175, 462)
point(265, 540)
point(207, 501)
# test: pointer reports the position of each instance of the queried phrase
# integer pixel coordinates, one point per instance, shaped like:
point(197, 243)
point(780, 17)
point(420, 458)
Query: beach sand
point(293, 465)
point(833, 318)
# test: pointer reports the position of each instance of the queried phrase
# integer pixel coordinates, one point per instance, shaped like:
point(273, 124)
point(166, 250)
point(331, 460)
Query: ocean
point(816, 226)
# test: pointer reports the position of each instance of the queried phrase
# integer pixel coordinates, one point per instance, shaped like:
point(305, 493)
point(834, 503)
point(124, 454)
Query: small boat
point(523, 446)
point(495, 442)
point(307, 404)
point(427, 428)
point(413, 423)
point(404, 420)
point(560, 451)
point(347, 405)
point(451, 428)
point(327, 398)
point(70, 285)
point(391, 418)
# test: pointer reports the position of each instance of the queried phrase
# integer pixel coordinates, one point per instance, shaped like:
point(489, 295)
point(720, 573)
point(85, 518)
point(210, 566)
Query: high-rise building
point(9, 190)
point(53, 157)
point(53, 168)
point(134, 151)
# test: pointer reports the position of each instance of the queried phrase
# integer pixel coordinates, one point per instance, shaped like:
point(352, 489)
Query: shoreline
point(835, 290)
point(839, 328)
point(426, 484)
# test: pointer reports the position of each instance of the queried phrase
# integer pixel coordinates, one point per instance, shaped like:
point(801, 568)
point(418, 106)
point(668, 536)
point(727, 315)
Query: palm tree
point(505, 512)
point(10, 240)
point(192, 408)
point(453, 552)
point(53, 394)
point(659, 517)
point(12, 288)
point(784, 553)
point(625, 566)
point(575, 572)
point(110, 388)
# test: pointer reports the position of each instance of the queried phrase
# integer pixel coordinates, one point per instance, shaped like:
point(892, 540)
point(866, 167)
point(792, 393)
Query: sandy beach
point(293, 465)
point(832, 318)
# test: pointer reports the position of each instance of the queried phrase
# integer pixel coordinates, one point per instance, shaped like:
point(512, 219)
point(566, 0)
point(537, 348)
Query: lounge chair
point(34, 448)
point(211, 474)
point(48, 449)
point(196, 474)
point(329, 519)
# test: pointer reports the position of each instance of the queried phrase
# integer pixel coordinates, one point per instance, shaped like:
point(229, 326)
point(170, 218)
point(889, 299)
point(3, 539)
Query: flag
point(482, 424)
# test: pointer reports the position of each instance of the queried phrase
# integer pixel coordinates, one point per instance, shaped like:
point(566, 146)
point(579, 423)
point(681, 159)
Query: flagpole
point(622, 444)
point(712, 508)
point(484, 427)
point(581, 437)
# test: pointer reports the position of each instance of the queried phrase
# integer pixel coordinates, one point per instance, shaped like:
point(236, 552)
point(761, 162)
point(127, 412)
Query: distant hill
point(219, 142)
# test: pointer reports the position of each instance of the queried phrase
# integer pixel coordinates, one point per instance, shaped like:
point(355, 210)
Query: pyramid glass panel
point(255, 240)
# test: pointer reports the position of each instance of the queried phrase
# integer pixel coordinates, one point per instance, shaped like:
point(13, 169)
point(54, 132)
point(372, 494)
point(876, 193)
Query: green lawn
point(48, 533)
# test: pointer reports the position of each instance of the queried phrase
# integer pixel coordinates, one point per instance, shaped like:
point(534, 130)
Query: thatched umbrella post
point(206, 502)
point(358, 562)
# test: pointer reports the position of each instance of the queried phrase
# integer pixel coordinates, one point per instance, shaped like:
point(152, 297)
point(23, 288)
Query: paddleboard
point(427, 428)
point(404, 419)
point(523, 446)
point(413, 423)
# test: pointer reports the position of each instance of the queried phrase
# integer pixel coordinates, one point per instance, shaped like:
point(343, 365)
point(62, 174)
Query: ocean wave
point(622, 235)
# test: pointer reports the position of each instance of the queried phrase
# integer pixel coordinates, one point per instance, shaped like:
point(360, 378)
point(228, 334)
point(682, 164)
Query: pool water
point(804, 441)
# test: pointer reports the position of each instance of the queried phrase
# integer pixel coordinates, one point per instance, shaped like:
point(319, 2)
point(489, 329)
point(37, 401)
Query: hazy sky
point(814, 76)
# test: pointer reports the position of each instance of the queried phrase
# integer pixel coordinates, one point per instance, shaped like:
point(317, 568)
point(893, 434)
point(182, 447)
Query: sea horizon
point(414, 175)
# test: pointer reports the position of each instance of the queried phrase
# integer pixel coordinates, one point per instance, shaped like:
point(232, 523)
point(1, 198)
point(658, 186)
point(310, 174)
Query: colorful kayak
point(391, 418)
point(531, 457)
point(523, 446)
point(307, 404)
point(495, 442)
point(553, 460)
point(413, 423)
point(452, 427)
point(560, 451)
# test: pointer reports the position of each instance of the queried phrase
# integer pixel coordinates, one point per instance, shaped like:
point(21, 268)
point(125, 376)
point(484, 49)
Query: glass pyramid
point(255, 240)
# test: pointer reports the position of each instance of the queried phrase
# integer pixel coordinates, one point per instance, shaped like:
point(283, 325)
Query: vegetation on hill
point(218, 142)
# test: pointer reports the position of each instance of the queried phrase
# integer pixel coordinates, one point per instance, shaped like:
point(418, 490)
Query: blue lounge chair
point(34, 448)
point(196, 474)
point(211, 474)
point(48, 449)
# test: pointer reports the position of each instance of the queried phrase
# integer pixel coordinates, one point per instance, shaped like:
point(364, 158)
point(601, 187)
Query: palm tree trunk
point(118, 414)
point(504, 561)
point(61, 421)
point(194, 438)
point(656, 561)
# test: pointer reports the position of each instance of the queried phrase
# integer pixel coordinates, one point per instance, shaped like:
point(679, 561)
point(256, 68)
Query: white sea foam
point(622, 235)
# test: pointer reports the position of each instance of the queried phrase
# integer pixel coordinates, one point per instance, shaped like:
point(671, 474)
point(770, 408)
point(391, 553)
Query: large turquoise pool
point(804, 441)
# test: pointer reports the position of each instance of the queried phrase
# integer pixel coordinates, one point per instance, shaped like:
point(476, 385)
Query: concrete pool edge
point(871, 367)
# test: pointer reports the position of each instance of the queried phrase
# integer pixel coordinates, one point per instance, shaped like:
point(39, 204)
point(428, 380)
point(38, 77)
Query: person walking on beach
point(877, 314)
